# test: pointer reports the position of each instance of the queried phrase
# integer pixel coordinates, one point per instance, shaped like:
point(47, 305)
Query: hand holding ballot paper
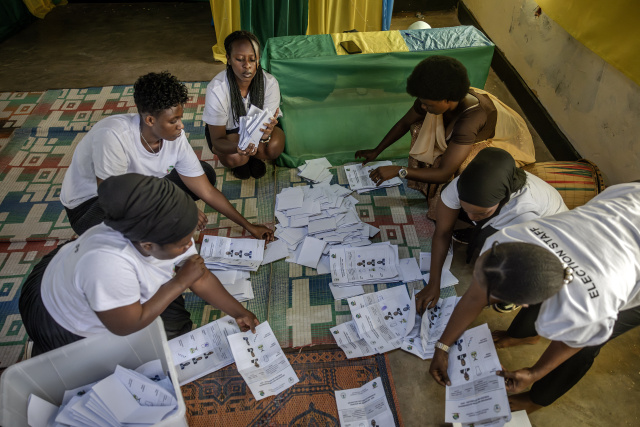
point(250, 126)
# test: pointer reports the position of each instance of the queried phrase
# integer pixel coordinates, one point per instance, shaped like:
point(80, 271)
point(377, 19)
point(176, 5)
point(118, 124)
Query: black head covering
point(147, 209)
point(490, 178)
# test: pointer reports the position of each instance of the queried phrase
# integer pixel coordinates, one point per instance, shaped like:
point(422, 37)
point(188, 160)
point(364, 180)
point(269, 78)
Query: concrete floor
point(84, 45)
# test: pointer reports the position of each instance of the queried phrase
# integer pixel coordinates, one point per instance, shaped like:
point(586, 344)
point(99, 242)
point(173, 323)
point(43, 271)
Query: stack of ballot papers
point(518, 419)
point(203, 350)
point(314, 219)
point(250, 125)
point(428, 328)
point(380, 322)
point(127, 397)
point(364, 406)
point(358, 177)
point(316, 171)
point(237, 283)
point(376, 263)
point(446, 277)
point(223, 253)
point(476, 393)
point(261, 362)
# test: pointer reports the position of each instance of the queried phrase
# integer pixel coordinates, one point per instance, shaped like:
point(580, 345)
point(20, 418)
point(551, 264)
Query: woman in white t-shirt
point(122, 274)
point(494, 194)
point(576, 275)
point(230, 95)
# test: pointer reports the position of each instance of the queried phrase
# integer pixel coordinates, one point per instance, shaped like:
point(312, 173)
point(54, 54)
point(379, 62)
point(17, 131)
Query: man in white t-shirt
point(151, 142)
point(577, 276)
point(229, 97)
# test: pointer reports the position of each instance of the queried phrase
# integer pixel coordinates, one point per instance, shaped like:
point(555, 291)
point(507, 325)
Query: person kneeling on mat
point(122, 274)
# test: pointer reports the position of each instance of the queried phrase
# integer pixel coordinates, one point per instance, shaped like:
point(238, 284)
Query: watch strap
point(442, 347)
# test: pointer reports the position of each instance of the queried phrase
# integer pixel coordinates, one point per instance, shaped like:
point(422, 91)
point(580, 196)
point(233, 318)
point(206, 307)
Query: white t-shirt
point(601, 242)
point(111, 148)
point(217, 106)
point(101, 270)
point(535, 199)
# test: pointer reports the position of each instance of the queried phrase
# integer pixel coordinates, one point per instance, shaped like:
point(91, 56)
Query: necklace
point(155, 153)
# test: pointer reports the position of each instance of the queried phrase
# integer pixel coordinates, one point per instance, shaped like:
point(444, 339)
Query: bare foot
point(522, 401)
point(502, 340)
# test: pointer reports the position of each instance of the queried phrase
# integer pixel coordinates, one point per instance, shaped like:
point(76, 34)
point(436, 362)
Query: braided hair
point(439, 78)
point(155, 92)
point(256, 88)
point(522, 273)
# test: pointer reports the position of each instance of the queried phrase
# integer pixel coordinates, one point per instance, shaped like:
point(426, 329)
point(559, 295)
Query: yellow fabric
point(226, 19)
point(608, 28)
point(39, 8)
point(512, 135)
point(336, 16)
point(372, 42)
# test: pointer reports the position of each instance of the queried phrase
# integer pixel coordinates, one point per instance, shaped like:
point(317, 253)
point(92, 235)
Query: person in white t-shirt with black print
point(576, 275)
point(230, 94)
point(493, 193)
point(151, 142)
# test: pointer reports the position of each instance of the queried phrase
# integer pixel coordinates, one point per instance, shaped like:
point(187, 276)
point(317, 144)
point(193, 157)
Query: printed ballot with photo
point(364, 406)
point(376, 263)
point(359, 180)
point(261, 362)
point(250, 125)
point(223, 253)
point(203, 350)
point(476, 393)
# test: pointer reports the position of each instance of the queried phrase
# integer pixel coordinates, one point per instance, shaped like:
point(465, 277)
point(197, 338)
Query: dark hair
point(439, 78)
point(256, 88)
point(155, 92)
point(522, 273)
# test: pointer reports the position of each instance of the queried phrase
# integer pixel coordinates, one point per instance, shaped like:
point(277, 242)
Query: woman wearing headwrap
point(494, 194)
point(576, 275)
point(122, 274)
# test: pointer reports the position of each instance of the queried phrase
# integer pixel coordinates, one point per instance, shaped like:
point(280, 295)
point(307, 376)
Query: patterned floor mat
point(223, 398)
point(15, 109)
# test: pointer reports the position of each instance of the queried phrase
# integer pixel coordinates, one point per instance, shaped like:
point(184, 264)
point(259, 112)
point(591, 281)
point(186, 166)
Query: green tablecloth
point(334, 105)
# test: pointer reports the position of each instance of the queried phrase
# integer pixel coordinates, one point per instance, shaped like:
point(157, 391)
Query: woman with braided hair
point(230, 95)
point(554, 268)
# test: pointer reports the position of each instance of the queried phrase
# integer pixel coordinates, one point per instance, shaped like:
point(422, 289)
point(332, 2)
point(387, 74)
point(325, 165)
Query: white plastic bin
point(50, 374)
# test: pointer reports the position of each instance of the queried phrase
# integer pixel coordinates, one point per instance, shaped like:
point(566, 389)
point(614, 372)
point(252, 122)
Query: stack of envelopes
point(316, 171)
point(250, 126)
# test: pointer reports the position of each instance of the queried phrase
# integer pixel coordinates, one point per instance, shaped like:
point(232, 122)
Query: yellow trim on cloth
point(39, 8)
point(608, 28)
point(336, 16)
point(372, 42)
point(226, 19)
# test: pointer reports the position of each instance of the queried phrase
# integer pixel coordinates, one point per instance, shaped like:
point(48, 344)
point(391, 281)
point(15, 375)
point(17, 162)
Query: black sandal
point(242, 172)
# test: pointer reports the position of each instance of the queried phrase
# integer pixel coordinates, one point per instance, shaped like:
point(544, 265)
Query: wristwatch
point(402, 173)
point(442, 347)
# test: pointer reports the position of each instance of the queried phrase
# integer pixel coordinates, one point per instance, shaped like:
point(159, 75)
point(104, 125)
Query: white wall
point(594, 104)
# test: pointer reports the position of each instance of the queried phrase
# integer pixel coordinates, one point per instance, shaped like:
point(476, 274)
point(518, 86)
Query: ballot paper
point(358, 177)
point(518, 419)
point(275, 250)
point(409, 270)
point(346, 336)
point(476, 393)
point(261, 362)
point(364, 406)
point(425, 260)
point(342, 292)
point(249, 126)
point(236, 282)
point(377, 263)
point(446, 279)
point(141, 397)
point(434, 322)
point(316, 171)
point(203, 350)
point(223, 253)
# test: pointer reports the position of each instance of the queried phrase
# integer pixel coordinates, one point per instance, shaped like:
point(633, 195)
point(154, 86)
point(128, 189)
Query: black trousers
point(559, 381)
point(47, 334)
point(90, 213)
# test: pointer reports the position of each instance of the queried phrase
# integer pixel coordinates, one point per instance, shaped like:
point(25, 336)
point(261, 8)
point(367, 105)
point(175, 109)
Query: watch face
point(402, 173)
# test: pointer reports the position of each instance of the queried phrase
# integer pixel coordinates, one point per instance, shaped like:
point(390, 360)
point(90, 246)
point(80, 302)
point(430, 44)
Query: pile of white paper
point(316, 171)
point(476, 393)
point(446, 277)
point(236, 282)
point(421, 340)
point(377, 263)
point(141, 397)
point(358, 177)
point(203, 350)
point(261, 362)
point(364, 406)
point(223, 253)
point(314, 219)
point(250, 126)
point(380, 322)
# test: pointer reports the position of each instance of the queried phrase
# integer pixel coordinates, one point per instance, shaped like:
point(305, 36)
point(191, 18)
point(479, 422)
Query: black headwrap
point(490, 178)
point(147, 209)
